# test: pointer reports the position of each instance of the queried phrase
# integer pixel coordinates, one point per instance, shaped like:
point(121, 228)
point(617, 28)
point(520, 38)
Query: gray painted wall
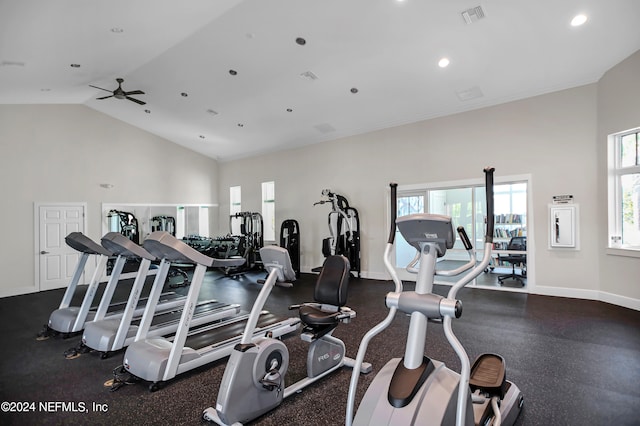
point(62, 153)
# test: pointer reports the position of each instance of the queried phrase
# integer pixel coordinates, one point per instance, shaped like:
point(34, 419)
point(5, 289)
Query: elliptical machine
point(416, 389)
point(253, 381)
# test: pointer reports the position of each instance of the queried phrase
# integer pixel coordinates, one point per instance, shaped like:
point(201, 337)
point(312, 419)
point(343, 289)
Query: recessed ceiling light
point(444, 62)
point(233, 72)
point(301, 41)
point(75, 65)
point(354, 90)
point(578, 20)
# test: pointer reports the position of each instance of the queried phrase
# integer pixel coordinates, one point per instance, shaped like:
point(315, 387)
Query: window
point(624, 190)
point(510, 207)
point(465, 204)
point(269, 210)
point(203, 221)
point(407, 204)
point(235, 206)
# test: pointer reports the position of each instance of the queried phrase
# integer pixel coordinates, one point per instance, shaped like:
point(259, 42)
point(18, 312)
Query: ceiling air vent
point(472, 15)
point(470, 93)
point(309, 75)
point(325, 128)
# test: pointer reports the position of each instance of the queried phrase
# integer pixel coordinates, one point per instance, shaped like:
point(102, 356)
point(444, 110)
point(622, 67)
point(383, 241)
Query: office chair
point(516, 244)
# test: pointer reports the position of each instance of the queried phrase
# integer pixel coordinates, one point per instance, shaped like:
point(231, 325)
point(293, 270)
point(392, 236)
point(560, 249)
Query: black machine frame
point(344, 230)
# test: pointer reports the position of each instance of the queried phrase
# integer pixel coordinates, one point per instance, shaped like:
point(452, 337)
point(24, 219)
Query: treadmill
point(156, 359)
point(111, 334)
point(69, 319)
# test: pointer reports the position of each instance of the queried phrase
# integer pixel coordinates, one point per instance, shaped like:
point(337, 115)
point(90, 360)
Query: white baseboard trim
point(17, 291)
point(616, 299)
point(380, 276)
point(577, 293)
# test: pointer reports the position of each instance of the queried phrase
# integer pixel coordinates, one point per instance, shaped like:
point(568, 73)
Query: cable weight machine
point(344, 230)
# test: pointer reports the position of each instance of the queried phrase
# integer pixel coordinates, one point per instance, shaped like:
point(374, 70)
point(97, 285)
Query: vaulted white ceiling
point(286, 93)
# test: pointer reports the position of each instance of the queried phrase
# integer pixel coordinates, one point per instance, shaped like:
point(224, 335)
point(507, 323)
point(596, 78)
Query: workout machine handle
point(464, 237)
point(394, 211)
point(488, 172)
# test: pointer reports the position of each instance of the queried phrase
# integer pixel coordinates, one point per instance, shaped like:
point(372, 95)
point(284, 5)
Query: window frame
point(235, 206)
point(616, 171)
point(269, 217)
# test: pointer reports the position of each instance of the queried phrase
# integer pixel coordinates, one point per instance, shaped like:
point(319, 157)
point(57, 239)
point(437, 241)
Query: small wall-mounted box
point(563, 228)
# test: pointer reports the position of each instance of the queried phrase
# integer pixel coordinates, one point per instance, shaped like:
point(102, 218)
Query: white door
point(57, 261)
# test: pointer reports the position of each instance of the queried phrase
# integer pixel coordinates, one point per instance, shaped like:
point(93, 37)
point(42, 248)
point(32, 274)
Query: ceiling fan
point(121, 94)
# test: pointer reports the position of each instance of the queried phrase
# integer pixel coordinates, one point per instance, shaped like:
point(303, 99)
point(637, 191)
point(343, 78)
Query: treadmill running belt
point(176, 314)
point(212, 337)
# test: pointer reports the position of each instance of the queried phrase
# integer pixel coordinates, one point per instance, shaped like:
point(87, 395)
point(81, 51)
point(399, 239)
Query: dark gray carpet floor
point(577, 362)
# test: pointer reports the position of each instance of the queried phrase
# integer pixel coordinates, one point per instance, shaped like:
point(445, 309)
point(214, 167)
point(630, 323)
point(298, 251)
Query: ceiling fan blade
point(136, 101)
point(96, 87)
point(135, 92)
point(105, 97)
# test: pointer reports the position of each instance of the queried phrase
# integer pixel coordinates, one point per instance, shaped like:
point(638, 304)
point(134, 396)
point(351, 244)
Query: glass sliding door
point(407, 204)
point(466, 205)
point(458, 204)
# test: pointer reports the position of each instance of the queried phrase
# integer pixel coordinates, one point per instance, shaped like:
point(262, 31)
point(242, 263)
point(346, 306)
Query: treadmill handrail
point(120, 245)
point(82, 243)
point(165, 246)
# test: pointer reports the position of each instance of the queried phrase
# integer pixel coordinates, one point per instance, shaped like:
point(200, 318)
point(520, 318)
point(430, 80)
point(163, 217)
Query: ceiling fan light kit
point(121, 94)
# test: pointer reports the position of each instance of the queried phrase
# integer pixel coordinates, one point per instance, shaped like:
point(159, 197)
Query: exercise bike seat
point(311, 316)
point(330, 295)
point(488, 374)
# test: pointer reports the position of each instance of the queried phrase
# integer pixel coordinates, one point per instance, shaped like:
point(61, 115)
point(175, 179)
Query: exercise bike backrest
point(333, 281)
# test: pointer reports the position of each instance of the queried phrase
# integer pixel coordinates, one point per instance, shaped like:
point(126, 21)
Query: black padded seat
point(315, 317)
point(331, 289)
point(333, 281)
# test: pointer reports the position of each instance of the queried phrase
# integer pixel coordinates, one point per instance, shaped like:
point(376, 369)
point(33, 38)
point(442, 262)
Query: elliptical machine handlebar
point(394, 211)
point(488, 185)
point(464, 238)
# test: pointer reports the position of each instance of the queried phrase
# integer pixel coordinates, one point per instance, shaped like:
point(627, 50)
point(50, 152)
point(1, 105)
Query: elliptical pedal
point(488, 374)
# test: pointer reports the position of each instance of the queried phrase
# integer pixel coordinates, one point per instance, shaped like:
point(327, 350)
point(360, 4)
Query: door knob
point(44, 252)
